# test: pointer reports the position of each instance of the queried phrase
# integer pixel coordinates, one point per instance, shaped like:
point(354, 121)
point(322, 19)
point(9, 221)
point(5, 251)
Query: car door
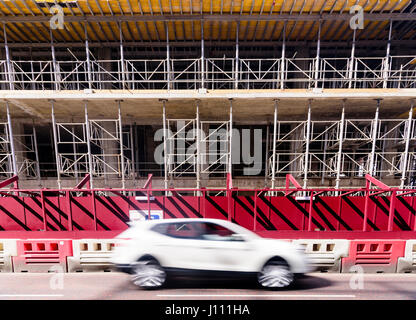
point(228, 250)
point(182, 247)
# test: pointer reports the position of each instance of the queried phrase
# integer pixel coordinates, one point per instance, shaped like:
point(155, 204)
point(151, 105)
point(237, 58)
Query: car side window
point(216, 232)
point(182, 230)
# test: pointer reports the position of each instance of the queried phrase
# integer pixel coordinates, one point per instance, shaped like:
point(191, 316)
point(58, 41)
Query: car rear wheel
point(275, 274)
point(148, 274)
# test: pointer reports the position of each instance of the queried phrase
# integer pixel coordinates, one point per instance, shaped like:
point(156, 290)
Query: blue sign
point(153, 217)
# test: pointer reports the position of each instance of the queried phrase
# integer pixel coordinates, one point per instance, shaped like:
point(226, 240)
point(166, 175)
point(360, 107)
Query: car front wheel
point(275, 274)
point(148, 274)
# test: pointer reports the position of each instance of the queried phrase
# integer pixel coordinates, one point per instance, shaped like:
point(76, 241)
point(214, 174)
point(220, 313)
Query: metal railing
point(211, 73)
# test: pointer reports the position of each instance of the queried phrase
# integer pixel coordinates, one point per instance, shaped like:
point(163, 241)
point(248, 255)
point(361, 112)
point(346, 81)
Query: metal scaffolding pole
point(406, 149)
point(74, 147)
point(325, 143)
point(318, 51)
point(283, 63)
point(123, 76)
point(9, 124)
point(237, 64)
point(202, 56)
point(165, 151)
point(340, 141)
point(230, 139)
point(352, 61)
point(168, 58)
point(87, 129)
point(55, 140)
point(274, 144)
point(55, 67)
point(133, 157)
point(372, 170)
point(123, 180)
point(387, 58)
point(308, 132)
point(198, 150)
point(9, 77)
point(87, 52)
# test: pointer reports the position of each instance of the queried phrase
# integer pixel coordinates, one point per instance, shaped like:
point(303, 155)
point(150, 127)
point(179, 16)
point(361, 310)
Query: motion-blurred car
point(153, 251)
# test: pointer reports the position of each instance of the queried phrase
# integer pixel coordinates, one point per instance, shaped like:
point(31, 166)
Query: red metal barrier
point(383, 209)
point(98, 213)
point(41, 255)
point(374, 255)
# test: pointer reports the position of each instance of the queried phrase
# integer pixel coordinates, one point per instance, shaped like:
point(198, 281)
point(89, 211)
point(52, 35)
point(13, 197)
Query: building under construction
point(205, 94)
point(330, 102)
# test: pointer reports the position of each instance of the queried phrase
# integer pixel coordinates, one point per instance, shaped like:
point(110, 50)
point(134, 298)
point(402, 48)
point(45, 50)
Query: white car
point(152, 251)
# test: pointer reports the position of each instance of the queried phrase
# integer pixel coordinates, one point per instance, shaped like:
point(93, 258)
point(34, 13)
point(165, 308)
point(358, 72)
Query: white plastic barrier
point(91, 255)
point(408, 262)
point(8, 249)
point(325, 255)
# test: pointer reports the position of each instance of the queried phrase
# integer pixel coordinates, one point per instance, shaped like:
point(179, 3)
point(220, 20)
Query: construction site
point(315, 98)
point(286, 115)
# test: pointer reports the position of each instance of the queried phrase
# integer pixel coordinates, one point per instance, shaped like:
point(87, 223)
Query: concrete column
point(340, 142)
point(121, 164)
point(406, 150)
point(372, 170)
point(19, 143)
point(198, 151)
point(90, 159)
point(301, 52)
point(307, 139)
point(295, 146)
point(204, 148)
point(104, 53)
point(165, 146)
point(110, 150)
point(274, 144)
point(3, 70)
point(55, 140)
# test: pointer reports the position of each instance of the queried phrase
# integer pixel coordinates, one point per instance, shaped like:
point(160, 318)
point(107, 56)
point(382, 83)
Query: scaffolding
point(27, 157)
point(6, 156)
point(96, 147)
point(195, 148)
point(217, 73)
point(345, 148)
point(18, 152)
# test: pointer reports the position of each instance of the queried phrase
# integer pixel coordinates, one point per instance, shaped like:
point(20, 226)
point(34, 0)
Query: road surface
point(116, 286)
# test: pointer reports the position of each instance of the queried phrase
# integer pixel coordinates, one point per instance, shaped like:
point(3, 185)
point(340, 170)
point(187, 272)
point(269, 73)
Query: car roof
point(149, 223)
point(179, 220)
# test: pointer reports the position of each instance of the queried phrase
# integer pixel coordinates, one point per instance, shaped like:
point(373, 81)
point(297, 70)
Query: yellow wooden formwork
point(190, 30)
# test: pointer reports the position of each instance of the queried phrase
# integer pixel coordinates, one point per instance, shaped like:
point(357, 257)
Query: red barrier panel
point(23, 235)
point(42, 255)
point(374, 255)
point(263, 213)
point(349, 235)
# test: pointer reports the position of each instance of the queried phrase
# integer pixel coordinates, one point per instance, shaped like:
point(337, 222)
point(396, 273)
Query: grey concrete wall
point(241, 183)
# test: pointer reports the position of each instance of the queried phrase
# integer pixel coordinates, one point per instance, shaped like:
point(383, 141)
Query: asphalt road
point(114, 285)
